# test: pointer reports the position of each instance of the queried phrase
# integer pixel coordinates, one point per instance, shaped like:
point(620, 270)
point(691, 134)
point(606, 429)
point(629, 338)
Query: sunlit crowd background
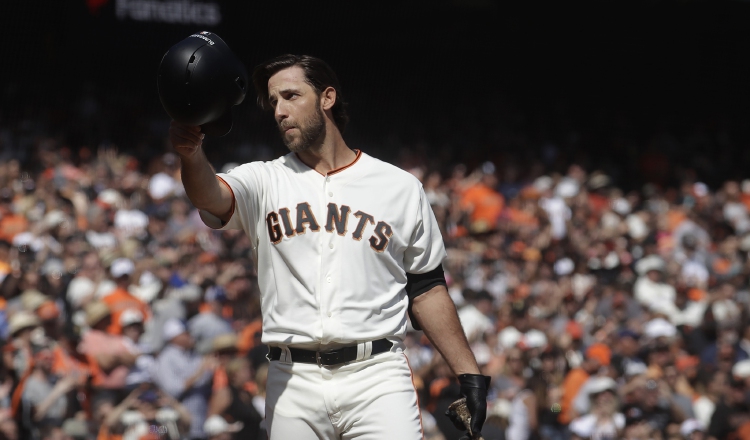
point(604, 304)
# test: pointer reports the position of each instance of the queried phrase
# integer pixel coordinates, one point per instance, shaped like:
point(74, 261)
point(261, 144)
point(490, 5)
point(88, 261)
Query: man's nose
point(280, 112)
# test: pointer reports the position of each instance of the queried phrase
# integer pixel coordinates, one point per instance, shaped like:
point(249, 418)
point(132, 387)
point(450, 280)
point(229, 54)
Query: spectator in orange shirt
point(11, 223)
point(5, 259)
point(120, 299)
point(482, 201)
point(224, 348)
point(596, 356)
point(66, 359)
point(247, 340)
point(236, 402)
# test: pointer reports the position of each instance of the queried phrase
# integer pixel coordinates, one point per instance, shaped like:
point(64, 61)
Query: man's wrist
point(193, 158)
point(474, 381)
point(467, 371)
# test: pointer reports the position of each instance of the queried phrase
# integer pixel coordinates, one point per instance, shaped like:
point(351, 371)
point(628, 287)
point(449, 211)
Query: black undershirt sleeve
point(419, 283)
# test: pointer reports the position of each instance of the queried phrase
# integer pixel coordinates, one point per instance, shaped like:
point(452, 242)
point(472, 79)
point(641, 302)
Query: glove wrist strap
point(474, 381)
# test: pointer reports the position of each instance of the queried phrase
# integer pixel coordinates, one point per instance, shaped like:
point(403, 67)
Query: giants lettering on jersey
point(285, 223)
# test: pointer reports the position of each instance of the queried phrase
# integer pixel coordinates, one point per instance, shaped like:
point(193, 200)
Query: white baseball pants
point(371, 399)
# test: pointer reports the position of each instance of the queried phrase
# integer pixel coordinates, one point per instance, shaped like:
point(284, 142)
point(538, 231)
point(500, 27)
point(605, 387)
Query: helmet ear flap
point(199, 80)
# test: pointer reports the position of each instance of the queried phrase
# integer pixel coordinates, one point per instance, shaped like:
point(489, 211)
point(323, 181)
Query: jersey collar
point(337, 170)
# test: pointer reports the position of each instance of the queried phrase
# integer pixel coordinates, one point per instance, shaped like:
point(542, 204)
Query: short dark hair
point(317, 73)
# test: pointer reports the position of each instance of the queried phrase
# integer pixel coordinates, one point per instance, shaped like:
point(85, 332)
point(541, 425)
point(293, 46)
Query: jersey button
point(330, 314)
point(330, 193)
point(328, 279)
point(330, 245)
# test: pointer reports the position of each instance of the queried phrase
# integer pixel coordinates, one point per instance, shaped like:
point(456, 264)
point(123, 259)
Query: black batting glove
point(474, 387)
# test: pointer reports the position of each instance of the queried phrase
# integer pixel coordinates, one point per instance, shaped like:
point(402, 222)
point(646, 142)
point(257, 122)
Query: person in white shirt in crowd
point(650, 290)
point(735, 212)
point(692, 429)
point(130, 221)
point(475, 316)
point(83, 286)
point(217, 428)
point(604, 421)
point(523, 421)
point(99, 232)
point(558, 213)
point(715, 386)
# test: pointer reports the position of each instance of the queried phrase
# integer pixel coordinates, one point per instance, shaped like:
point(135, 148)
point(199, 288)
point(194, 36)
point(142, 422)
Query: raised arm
point(202, 186)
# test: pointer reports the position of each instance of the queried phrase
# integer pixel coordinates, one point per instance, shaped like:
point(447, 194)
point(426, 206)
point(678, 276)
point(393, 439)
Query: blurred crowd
point(123, 316)
point(598, 313)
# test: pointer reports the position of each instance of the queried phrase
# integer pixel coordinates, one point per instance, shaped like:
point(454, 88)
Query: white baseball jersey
point(332, 252)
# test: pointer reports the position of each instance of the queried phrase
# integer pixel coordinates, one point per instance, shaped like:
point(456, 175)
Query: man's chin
point(296, 147)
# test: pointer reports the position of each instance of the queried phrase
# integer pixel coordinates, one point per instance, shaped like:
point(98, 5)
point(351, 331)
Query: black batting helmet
point(200, 80)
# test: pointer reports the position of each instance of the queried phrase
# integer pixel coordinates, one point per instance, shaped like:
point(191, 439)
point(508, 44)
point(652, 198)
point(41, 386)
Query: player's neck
point(331, 154)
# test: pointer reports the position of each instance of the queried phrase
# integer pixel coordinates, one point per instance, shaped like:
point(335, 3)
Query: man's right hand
point(186, 139)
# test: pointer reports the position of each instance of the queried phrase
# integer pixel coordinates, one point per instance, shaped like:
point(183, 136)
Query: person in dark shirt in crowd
point(235, 402)
point(626, 351)
point(731, 419)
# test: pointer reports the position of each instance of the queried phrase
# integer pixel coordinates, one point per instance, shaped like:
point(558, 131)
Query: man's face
point(44, 361)
point(296, 109)
point(591, 365)
point(654, 275)
point(718, 384)
point(133, 331)
point(628, 346)
point(651, 396)
point(225, 356)
point(183, 340)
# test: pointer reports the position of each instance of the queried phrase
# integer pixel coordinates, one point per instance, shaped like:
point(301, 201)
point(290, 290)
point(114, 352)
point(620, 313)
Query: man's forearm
point(436, 313)
point(192, 380)
point(201, 185)
point(41, 410)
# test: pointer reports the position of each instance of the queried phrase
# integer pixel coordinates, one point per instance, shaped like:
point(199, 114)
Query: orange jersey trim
point(337, 170)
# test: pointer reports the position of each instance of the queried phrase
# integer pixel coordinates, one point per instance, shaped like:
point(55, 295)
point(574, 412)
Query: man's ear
point(328, 98)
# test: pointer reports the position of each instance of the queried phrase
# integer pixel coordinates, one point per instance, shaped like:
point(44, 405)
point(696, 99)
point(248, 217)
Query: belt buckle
point(318, 360)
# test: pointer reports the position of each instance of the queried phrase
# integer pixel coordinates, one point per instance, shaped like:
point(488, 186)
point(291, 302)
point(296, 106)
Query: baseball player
point(345, 247)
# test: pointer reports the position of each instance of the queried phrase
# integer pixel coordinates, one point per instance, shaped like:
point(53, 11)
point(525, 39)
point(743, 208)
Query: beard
point(312, 129)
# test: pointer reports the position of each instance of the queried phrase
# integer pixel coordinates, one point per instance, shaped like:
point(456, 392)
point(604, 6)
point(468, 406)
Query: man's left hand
point(474, 388)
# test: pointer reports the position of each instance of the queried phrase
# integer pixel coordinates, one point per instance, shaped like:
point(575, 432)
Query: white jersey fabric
point(332, 252)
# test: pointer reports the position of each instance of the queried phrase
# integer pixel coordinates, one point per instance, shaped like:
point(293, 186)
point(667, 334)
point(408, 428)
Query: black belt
point(328, 358)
